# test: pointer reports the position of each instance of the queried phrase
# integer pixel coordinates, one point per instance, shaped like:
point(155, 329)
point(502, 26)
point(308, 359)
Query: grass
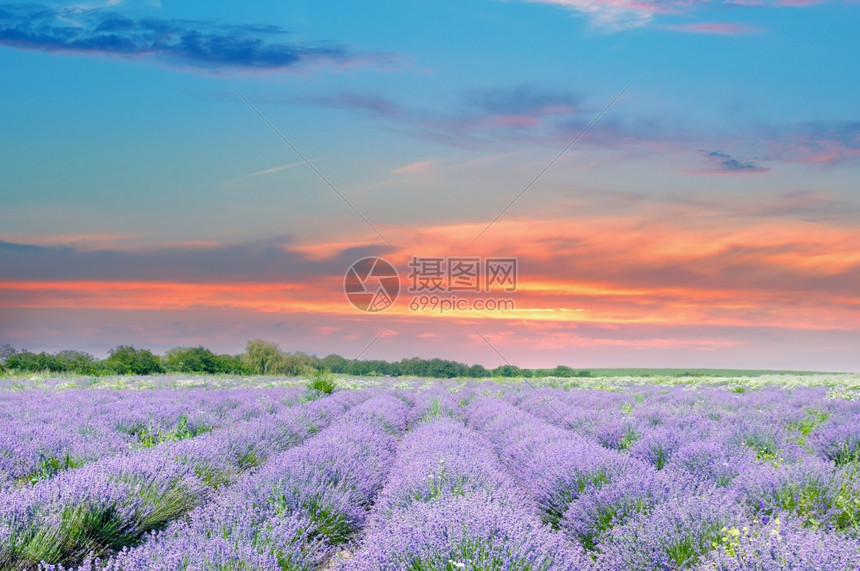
point(813, 418)
point(49, 466)
point(149, 436)
point(817, 502)
point(94, 528)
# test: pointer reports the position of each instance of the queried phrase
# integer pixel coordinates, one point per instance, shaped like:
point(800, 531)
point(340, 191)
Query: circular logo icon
point(371, 284)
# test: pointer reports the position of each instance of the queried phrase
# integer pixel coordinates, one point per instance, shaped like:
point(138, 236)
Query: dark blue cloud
point(188, 43)
point(266, 260)
point(523, 100)
point(724, 162)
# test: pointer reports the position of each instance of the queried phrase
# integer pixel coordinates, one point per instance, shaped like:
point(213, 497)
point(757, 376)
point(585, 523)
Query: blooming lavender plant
point(449, 504)
point(474, 532)
point(290, 513)
point(675, 535)
point(112, 503)
point(41, 439)
point(782, 544)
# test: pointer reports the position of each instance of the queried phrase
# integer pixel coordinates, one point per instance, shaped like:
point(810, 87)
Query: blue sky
point(127, 157)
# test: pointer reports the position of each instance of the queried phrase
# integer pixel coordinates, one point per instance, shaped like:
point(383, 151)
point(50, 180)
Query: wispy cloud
point(818, 142)
point(524, 100)
point(808, 205)
point(475, 117)
point(275, 169)
point(494, 118)
point(614, 15)
point(414, 168)
point(371, 102)
point(717, 29)
point(179, 43)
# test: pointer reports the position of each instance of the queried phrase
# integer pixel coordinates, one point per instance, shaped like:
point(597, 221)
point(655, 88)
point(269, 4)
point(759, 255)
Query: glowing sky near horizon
point(709, 218)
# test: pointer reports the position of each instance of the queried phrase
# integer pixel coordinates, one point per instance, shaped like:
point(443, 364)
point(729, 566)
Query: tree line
point(259, 358)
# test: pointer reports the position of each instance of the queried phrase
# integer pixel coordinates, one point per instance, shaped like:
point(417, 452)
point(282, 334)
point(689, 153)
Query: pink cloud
point(624, 14)
point(819, 148)
point(798, 2)
point(325, 331)
point(717, 172)
point(414, 168)
point(516, 121)
point(613, 14)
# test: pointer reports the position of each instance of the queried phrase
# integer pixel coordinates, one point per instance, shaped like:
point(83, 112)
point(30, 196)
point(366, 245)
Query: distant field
point(273, 474)
point(645, 372)
point(601, 379)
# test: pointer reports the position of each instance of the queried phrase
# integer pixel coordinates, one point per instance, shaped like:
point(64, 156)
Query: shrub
point(322, 382)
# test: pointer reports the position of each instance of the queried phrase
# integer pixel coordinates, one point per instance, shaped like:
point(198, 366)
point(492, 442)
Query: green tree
point(506, 371)
point(300, 364)
point(126, 360)
point(231, 364)
point(334, 363)
point(70, 361)
point(6, 351)
point(191, 360)
point(32, 362)
point(264, 358)
point(478, 371)
point(444, 369)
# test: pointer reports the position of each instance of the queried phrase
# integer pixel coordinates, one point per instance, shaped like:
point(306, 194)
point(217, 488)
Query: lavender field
point(423, 475)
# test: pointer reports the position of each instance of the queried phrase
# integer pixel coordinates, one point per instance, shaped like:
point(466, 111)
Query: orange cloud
point(691, 264)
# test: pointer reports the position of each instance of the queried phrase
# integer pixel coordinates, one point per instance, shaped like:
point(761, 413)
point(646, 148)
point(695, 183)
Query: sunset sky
point(709, 217)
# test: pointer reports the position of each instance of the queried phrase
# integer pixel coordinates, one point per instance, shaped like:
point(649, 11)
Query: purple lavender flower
point(781, 544)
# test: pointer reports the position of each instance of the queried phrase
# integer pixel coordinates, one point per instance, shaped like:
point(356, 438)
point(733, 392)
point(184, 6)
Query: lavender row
point(291, 514)
point(772, 450)
point(640, 510)
point(112, 503)
point(45, 433)
point(774, 423)
point(448, 505)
